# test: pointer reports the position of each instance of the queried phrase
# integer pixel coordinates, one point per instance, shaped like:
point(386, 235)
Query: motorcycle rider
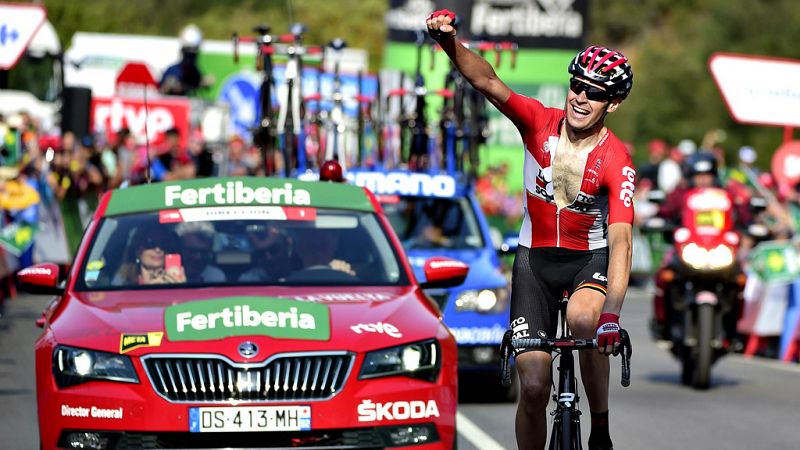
point(701, 171)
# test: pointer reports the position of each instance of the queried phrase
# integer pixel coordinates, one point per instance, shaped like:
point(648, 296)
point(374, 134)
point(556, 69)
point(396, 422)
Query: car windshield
point(205, 248)
point(433, 223)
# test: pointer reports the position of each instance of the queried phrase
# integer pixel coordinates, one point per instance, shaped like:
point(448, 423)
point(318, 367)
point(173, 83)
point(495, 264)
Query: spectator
point(173, 162)
point(657, 152)
point(669, 171)
point(201, 155)
point(123, 149)
point(237, 166)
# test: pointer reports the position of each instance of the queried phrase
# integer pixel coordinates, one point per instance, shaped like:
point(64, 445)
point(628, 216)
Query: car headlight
point(417, 360)
point(483, 300)
point(73, 366)
point(700, 258)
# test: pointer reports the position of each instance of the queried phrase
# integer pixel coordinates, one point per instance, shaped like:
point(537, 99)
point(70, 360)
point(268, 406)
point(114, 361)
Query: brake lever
point(626, 352)
point(505, 354)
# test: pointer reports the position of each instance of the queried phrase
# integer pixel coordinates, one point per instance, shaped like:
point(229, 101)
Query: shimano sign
point(530, 23)
point(405, 183)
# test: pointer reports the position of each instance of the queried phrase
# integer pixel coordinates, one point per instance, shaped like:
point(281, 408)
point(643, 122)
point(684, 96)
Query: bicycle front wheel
point(565, 435)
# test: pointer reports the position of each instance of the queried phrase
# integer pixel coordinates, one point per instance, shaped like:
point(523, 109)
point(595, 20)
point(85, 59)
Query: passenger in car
point(272, 254)
point(197, 239)
point(146, 256)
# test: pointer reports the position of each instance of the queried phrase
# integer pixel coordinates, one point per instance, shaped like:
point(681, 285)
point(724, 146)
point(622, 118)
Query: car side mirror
point(441, 272)
point(42, 279)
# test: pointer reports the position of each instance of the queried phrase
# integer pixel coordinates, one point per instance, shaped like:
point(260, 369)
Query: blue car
point(439, 215)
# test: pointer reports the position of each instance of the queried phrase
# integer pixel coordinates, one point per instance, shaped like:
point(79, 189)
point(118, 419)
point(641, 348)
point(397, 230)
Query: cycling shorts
point(539, 279)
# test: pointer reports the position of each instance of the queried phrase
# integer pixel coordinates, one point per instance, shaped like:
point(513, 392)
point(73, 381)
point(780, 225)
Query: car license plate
point(250, 418)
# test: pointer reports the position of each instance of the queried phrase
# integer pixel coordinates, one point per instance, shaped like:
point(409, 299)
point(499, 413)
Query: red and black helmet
point(604, 66)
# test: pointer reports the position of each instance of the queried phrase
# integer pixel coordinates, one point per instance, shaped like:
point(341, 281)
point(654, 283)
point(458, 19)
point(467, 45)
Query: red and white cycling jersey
point(605, 196)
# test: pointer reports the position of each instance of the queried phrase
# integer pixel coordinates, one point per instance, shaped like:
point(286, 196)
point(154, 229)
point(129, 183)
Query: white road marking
point(475, 435)
point(771, 363)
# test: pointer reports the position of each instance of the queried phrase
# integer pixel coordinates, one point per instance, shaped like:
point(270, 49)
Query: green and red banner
point(211, 192)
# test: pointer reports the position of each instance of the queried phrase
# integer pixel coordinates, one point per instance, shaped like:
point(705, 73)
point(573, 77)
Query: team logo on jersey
point(584, 203)
point(600, 277)
point(626, 194)
point(544, 187)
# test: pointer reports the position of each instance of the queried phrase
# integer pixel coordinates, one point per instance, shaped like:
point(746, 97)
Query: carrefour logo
point(235, 193)
point(244, 316)
point(405, 183)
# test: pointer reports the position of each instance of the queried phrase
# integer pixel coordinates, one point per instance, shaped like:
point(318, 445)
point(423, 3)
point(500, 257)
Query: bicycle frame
point(264, 135)
point(566, 433)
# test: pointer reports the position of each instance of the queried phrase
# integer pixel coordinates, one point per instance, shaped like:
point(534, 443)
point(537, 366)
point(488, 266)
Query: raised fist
point(440, 24)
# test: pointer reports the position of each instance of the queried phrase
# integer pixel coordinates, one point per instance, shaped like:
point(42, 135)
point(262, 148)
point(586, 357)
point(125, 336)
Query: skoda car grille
point(209, 378)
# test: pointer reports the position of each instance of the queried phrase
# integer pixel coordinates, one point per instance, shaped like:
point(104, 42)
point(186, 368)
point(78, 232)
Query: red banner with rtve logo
point(112, 114)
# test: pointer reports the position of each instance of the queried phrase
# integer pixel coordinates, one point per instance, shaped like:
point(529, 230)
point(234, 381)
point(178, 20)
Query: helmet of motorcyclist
point(190, 38)
point(606, 67)
point(701, 169)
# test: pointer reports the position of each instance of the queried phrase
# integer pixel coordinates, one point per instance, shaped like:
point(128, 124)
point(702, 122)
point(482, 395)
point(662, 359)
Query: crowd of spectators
point(70, 173)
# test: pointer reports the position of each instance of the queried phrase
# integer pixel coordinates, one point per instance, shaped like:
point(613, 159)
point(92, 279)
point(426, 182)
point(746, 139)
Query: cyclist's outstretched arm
point(475, 69)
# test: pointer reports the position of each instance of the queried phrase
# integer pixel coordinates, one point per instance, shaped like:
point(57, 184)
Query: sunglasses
point(593, 93)
point(150, 242)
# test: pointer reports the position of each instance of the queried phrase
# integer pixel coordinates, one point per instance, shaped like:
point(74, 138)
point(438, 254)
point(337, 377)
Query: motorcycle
point(699, 287)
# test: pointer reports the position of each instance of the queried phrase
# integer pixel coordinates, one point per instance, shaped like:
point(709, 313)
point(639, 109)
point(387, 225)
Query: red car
point(239, 313)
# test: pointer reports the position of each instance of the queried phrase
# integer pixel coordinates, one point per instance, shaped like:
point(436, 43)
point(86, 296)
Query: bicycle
point(566, 432)
point(264, 136)
point(464, 121)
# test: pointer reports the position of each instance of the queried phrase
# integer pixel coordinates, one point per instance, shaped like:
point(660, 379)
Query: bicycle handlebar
point(508, 346)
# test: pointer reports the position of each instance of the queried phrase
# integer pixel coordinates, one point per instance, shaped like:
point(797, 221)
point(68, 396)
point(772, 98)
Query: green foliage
point(359, 22)
point(669, 44)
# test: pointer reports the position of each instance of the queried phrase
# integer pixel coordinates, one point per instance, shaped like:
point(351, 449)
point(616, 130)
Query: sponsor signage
point(380, 328)
point(246, 316)
point(347, 297)
point(479, 335)
point(417, 184)
point(293, 195)
point(775, 262)
point(758, 89)
point(18, 24)
point(93, 412)
point(110, 115)
point(400, 410)
point(128, 342)
point(529, 23)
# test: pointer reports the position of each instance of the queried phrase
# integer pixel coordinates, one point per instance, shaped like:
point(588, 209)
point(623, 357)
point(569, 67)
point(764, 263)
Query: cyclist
point(576, 233)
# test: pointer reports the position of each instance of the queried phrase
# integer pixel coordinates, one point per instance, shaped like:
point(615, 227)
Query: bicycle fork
point(566, 415)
